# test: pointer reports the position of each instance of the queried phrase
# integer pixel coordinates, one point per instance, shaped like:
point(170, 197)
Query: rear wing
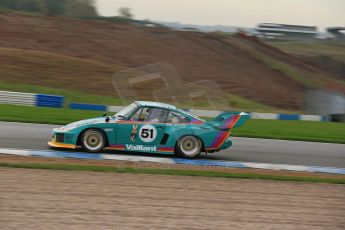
point(230, 120)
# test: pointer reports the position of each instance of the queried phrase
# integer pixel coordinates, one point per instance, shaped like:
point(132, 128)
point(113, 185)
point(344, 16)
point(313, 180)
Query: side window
point(156, 115)
point(175, 117)
point(135, 117)
point(145, 114)
point(150, 115)
point(140, 115)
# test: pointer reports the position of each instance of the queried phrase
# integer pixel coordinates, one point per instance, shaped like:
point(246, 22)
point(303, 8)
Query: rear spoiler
point(230, 120)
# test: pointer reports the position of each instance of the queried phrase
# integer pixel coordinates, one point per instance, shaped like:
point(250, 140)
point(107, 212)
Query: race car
point(150, 127)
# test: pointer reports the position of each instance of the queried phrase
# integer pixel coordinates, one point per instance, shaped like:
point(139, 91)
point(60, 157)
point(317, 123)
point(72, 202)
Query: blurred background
point(275, 57)
point(282, 61)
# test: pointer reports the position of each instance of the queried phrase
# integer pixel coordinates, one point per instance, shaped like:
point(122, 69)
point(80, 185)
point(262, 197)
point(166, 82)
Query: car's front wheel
point(93, 140)
point(188, 146)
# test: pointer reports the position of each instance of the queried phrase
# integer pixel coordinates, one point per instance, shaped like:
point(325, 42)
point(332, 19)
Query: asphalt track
point(36, 136)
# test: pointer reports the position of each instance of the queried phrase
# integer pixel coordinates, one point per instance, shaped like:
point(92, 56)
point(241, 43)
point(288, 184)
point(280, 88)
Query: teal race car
point(150, 127)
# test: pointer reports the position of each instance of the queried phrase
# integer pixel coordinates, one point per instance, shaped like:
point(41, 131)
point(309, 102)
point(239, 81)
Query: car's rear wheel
point(93, 140)
point(188, 146)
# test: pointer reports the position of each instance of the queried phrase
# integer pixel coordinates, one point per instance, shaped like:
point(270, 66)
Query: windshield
point(125, 112)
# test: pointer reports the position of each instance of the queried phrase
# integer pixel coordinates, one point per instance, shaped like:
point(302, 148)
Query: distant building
point(189, 29)
point(338, 33)
point(282, 31)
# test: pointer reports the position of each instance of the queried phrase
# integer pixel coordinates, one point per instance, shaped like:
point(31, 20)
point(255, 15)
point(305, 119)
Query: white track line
point(200, 162)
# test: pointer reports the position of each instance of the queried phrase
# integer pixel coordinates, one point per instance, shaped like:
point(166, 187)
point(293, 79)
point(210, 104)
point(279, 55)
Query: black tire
point(93, 140)
point(188, 146)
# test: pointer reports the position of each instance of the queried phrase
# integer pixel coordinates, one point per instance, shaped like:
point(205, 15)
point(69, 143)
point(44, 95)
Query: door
point(144, 128)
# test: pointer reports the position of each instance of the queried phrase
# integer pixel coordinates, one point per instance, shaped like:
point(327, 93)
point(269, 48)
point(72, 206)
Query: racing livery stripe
point(227, 122)
point(223, 135)
point(166, 149)
point(231, 121)
point(219, 140)
point(118, 147)
point(194, 121)
point(197, 122)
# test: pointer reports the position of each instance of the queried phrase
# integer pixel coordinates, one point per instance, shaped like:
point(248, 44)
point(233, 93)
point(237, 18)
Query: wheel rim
point(190, 146)
point(93, 140)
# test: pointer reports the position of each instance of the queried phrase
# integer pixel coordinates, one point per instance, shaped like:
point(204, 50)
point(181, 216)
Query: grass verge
point(293, 130)
point(288, 70)
point(175, 172)
point(312, 48)
point(44, 115)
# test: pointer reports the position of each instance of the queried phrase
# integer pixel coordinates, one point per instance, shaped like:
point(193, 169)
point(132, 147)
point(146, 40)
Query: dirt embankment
point(41, 199)
point(196, 56)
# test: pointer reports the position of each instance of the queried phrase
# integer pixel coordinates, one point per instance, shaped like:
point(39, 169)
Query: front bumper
point(62, 140)
point(61, 145)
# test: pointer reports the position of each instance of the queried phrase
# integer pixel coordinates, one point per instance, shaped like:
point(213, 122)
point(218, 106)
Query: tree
point(80, 8)
point(54, 7)
point(125, 12)
point(24, 5)
point(71, 8)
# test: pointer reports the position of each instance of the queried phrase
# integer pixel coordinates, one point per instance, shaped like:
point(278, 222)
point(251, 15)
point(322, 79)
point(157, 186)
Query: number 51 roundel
point(147, 133)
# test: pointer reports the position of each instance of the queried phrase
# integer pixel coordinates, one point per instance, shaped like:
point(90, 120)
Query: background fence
point(211, 113)
point(30, 99)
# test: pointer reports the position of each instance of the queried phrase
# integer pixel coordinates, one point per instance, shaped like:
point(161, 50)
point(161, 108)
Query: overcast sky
point(246, 13)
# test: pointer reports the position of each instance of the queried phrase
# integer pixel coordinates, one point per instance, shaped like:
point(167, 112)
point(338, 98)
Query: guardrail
point(31, 99)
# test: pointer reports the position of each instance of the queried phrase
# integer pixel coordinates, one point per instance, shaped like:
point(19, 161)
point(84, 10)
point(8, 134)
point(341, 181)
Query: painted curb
point(199, 162)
